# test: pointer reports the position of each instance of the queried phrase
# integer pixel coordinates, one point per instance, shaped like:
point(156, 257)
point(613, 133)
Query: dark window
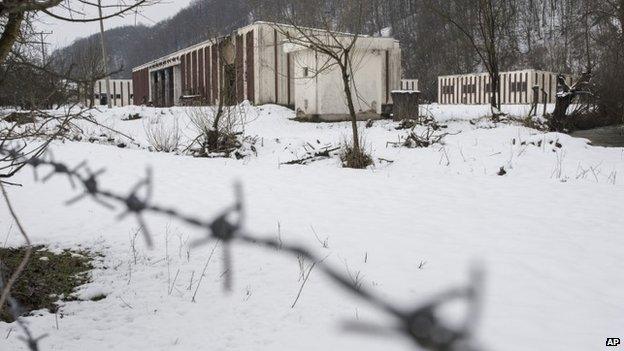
point(448, 89)
point(518, 87)
point(306, 71)
point(469, 88)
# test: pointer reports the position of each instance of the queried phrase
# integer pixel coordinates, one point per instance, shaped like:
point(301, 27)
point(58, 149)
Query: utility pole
point(43, 44)
point(108, 95)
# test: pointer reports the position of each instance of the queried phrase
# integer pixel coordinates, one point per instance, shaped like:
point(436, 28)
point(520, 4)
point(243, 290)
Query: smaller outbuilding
point(121, 93)
point(516, 87)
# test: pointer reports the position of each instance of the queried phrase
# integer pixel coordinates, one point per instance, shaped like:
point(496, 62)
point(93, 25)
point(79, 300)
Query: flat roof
point(214, 40)
point(501, 72)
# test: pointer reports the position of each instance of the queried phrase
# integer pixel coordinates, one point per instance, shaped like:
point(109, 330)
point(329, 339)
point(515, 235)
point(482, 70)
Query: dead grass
point(48, 277)
point(20, 118)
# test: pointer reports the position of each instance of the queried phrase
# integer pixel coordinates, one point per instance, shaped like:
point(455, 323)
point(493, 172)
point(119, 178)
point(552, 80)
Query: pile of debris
point(431, 135)
point(226, 145)
point(314, 154)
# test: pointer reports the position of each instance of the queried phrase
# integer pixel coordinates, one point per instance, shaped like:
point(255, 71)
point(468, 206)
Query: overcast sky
point(64, 33)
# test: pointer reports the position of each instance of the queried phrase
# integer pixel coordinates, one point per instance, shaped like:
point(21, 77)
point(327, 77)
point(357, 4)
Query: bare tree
point(16, 18)
point(568, 94)
point(488, 25)
point(15, 12)
point(607, 36)
point(87, 68)
point(338, 27)
point(219, 128)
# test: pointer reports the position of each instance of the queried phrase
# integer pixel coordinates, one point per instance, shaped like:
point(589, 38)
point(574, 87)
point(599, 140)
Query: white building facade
point(516, 87)
point(121, 93)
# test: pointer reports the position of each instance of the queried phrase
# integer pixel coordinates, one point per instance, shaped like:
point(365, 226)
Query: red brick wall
point(183, 72)
point(140, 83)
point(215, 70)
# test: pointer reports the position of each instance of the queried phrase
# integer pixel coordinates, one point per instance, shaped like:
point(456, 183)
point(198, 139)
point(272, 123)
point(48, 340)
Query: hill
point(130, 46)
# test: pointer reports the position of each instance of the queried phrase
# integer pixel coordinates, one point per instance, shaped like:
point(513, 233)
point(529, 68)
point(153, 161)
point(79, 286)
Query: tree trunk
point(91, 91)
point(10, 34)
point(561, 107)
point(346, 81)
point(495, 90)
point(557, 121)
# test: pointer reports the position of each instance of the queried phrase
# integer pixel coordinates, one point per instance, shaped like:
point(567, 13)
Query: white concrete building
point(319, 87)
point(121, 93)
point(263, 66)
point(515, 87)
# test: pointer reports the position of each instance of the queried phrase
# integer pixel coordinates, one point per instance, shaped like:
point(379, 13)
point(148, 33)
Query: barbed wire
point(420, 323)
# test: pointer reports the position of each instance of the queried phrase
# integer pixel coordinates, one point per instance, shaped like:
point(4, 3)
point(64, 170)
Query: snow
point(406, 91)
point(548, 234)
point(469, 112)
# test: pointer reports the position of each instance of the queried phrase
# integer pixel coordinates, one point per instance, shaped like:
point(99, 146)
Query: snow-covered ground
point(548, 234)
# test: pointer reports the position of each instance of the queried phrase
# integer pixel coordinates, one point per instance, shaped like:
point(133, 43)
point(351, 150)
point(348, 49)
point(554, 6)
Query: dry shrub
point(355, 158)
point(162, 137)
point(219, 130)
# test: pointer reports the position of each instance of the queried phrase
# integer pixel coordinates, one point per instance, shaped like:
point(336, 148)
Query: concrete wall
point(177, 85)
point(321, 93)
point(274, 66)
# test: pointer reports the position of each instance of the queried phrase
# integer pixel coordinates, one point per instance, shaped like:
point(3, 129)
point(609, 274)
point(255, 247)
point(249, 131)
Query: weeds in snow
point(356, 278)
point(558, 166)
point(324, 243)
point(162, 137)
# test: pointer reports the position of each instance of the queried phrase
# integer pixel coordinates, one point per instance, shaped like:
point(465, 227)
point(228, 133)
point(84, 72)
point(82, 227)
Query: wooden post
point(545, 96)
point(104, 58)
point(533, 111)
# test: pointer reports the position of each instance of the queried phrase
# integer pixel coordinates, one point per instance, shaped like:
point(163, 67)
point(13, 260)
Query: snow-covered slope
point(548, 234)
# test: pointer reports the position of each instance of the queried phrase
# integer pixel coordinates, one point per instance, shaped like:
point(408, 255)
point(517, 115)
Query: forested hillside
point(131, 46)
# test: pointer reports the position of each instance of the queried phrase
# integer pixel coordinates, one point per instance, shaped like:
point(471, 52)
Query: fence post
point(545, 96)
point(533, 111)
